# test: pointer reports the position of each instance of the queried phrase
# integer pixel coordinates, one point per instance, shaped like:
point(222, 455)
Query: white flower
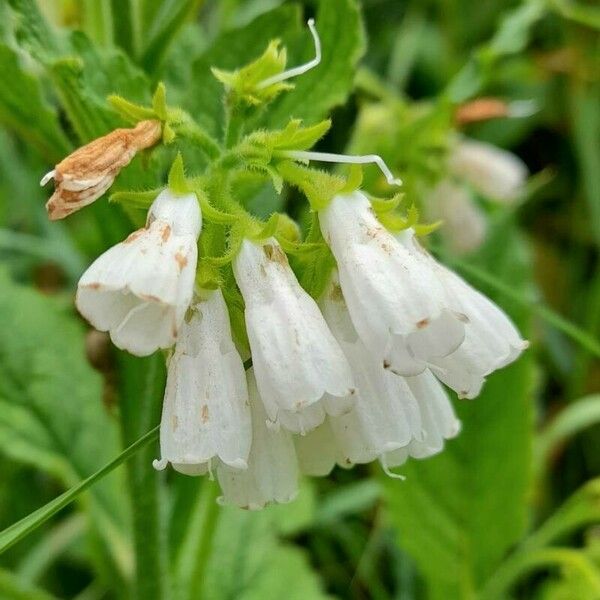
point(397, 305)
point(301, 371)
point(391, 412)
point(493, 172)
point(491, 339)
point(272, 473)
point(140, 289)
point(206, 414)
point(351, 439)
point(464, 222)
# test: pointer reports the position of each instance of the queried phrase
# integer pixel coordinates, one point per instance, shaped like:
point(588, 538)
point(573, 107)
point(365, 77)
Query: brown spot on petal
point(204, 413)
point(422, 323)
point(93, 286)
point(336, 293)
point(386, 364)
point(181, 260)
point(134, 236)
point(275, 253)
point(165, 234)
point(174, 423)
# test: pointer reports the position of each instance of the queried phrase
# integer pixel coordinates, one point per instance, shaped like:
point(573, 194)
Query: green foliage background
point(511, 509)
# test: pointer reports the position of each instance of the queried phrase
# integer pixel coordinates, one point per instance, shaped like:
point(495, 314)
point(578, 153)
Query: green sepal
point(129, 111)
point(318, 186)
point(269, 229)
point(235, 243)
point(168, 134)
point(159, 101)
point(299, 248)
point(141, 200)
point(208, 276)
point(422, 229)
point(354, 179)
point(177, 181)
point(210, 213)
point(385, 205)
point(243, 85)
point(295, 137)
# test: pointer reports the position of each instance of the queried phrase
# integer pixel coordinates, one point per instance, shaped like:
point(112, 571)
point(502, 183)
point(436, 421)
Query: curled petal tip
point(47, 177)
point(160, 465)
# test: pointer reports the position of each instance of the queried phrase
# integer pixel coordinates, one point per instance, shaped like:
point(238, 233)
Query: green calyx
point(178, 184)
point(319, 187)
point(243, 85)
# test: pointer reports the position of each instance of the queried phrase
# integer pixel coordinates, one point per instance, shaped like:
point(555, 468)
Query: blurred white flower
point(396, 302)
point(140, 289)
point(491, 339)
point(206, 413)
point(301, 371)
point(464, 222)
point(272, 473)
point(494, 173)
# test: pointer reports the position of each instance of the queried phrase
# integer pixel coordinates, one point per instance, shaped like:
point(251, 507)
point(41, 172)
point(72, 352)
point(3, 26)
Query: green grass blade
point(19, 530)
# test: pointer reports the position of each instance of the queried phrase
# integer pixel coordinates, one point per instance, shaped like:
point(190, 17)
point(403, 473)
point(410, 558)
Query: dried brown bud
point(481, 109)
point(88, 172)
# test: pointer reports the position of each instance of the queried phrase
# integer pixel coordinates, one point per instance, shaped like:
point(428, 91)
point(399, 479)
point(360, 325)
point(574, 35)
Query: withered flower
point(88, 172)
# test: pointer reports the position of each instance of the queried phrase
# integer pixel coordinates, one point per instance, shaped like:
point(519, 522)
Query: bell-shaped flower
point(272, 473)
point(397, 304)
point(301, 371)
point(494, 173)
point(87, 173)
point(206, 413)
point(464, 221)
point(391, 413)
point(140, 289)
point(491, 339)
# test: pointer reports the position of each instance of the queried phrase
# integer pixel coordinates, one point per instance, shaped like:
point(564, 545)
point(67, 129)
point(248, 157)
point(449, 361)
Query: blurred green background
point(511, 508)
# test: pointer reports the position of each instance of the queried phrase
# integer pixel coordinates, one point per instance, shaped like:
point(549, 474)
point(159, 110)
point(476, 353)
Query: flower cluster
point(352, 372)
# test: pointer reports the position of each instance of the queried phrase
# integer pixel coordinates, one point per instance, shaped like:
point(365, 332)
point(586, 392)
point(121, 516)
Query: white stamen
point(301, 69)
point(346, 159)
point(47, 177)
point(388, 471)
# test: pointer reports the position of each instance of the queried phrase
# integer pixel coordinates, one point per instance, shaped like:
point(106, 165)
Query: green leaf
point(34, 120)
point(170, 18)
point(575, 417)
point(51, 410)
point(512, 37)
point(14, 588)
point(204, 97)
point(11, 535)
point(245, 544)
point(457, 513)
point(328, 85)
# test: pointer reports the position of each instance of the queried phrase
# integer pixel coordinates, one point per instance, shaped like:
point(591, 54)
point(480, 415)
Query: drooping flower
point(495, 173)
point(272, 473)
point(87, 173)
point(301, 371)
point(464, 222)
point(399, 309)
point(140, 289)
point(392, 413)
point(206, 414)
point(491, 339)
